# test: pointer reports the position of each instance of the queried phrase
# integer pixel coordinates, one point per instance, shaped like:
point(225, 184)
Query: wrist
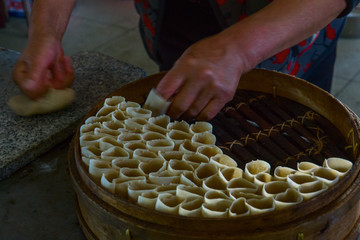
point(42, 38)
point(241, 49)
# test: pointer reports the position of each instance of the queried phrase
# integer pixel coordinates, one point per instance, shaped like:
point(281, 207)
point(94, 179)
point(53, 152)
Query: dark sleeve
point(350, 5)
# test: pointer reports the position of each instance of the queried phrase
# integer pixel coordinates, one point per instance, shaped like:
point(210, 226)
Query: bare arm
point(280, 25)
point(42, 63)
point(50, 18)
point(206, 76)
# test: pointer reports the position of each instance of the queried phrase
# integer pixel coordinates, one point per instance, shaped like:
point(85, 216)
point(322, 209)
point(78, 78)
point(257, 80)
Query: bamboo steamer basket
point(334, 214)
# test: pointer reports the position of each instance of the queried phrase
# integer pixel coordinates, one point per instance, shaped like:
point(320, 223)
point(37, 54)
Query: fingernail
point(29, 84)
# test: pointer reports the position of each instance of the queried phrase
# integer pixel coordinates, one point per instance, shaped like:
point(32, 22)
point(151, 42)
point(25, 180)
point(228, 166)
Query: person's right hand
point(42, 65)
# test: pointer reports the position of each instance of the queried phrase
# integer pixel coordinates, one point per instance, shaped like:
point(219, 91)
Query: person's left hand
point(202, 80)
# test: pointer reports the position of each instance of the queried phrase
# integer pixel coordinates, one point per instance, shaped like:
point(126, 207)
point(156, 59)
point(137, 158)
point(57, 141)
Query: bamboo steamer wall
point(334, 214)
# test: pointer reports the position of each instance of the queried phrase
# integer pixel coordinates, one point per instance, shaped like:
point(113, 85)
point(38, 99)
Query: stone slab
point(23, 139)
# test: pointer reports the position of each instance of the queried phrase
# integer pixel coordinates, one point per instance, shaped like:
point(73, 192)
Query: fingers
point(199, 103)
point(70, 73)
point(201, 94)
point(202, 105)
point(34, 78)
point(183, 100)
point(57, 74)
point(30, 78)
point(170, 84)
point(62, 73)
point(210, 111)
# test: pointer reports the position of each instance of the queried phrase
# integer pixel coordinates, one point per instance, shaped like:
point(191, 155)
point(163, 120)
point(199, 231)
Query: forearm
point(278, 26)
point(49, 18)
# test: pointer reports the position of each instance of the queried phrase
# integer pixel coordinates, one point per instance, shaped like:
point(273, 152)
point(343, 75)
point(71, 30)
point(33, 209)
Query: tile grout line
point(343, 88)
point(105, 24)
point(112, 39)
point(355, 75)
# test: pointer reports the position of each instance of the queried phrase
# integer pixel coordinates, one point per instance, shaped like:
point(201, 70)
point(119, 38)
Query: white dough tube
point(213, 197)
point(153, 166)
point(144, 155)
point(148, 199)
point(200, 127)
point(171, 188)
point(189, 178)
point(236, 194)
point(137, 188)
point(223, 161)
point(108, 142)
point(89, 128)
point(89, 139)
point(178, 137)
point(114, 153)
point(167, 156)
point(168, 203)
point(114, 101)
point(205, 170)
point(195, 159)
point(164, 178)
point(295, 180)
point(242, 184)
point(306, 167)
point(259, 206)
point(180, 126)
point(91, 151)
point(204, 138)
point(161, 121)
point(107, 180)
point(326, 175)
point(105, 111)
point(288, 198)
point(98, 167)
point(209, 151)
point(280, 172)
point(262, 178)
point(124, 105)
point(191, 206)
point(238, 208)
point(156, 103)
point(218, 210)
point(135, 112)
point(150, 135)
point(183, 191)
point(271, 189)
point(179, 166)
point(214, 183)
point(160, 145)
point(254, 167)
point(131, 173)
point(342, 166)
point(312, 189)
point(226, 174)
point(125, 163)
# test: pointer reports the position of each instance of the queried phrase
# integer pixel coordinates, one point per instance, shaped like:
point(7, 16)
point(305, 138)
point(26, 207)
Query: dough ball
point(53, 100)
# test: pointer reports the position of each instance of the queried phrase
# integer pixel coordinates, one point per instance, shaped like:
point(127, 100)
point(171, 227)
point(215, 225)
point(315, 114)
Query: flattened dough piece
point(157, 104)
point(53, 100)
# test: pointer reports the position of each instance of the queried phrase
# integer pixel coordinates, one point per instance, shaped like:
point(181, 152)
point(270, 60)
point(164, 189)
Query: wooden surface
point(331, 215)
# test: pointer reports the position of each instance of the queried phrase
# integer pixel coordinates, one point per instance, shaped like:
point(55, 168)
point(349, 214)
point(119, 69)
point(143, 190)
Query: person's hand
point(203, 79)
point(42, 65)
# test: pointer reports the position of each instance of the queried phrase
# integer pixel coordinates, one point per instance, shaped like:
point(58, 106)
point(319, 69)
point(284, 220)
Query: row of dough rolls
point(176, 168)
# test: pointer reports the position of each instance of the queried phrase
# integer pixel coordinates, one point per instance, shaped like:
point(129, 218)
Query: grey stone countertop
point(36, 194)
point(23, 139)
